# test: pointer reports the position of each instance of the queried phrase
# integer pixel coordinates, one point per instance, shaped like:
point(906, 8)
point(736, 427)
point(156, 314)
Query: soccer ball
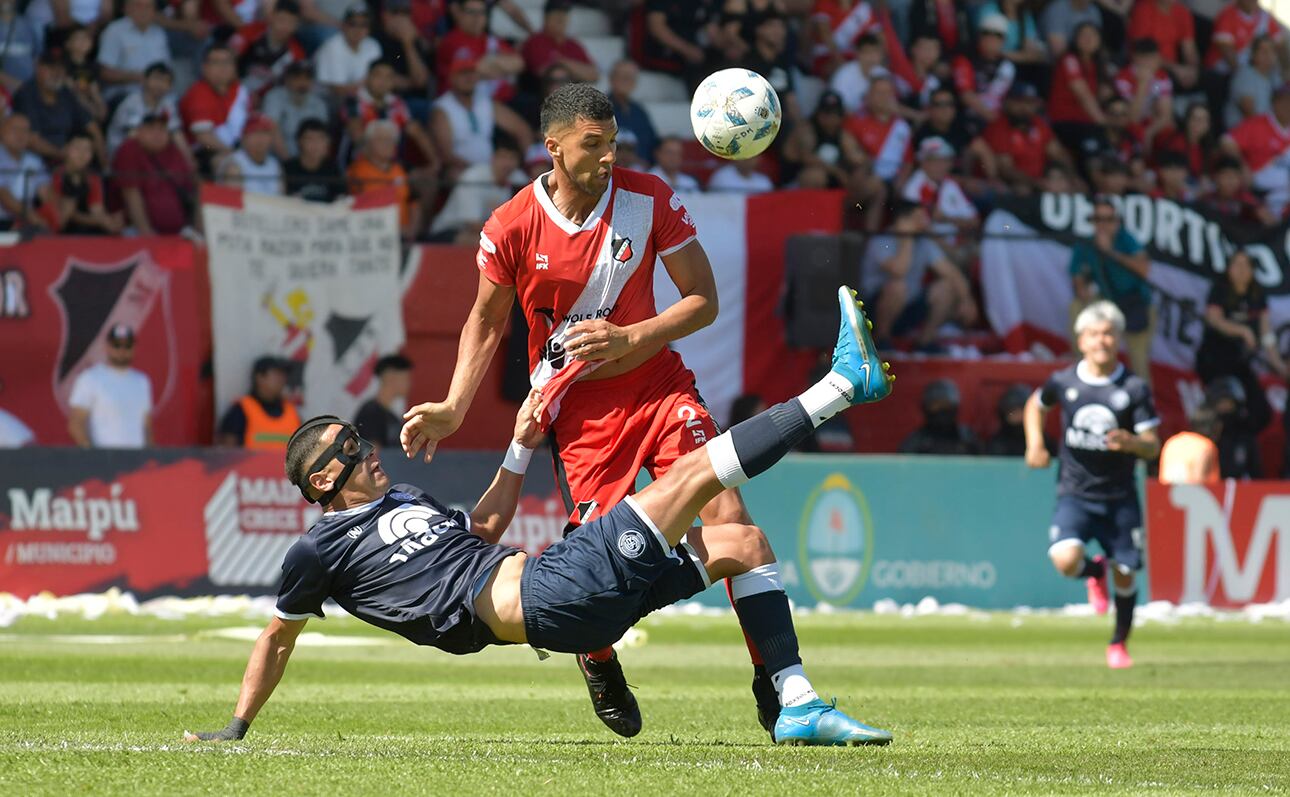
point(735, 114)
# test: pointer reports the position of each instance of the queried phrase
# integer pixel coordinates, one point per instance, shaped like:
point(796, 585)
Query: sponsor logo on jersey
point(399, 495)
point(412, 528)
point(1089, 427)
point(543, 263)
point(631, 543)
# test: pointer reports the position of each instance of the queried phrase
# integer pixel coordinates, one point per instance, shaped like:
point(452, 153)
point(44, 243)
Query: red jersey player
point(577, 247)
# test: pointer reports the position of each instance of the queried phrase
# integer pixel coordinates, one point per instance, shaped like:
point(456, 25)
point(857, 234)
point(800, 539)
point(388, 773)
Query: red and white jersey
point(1265, 146)
point(1126, 85)
point(564, 272)
point(946, 197)
point(1235, 27)
point(887, 142)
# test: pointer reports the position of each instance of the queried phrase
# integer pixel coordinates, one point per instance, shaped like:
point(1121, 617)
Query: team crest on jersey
point(1119, 400)
point(631, 543)
point(1071, 394)
point(622, 249)
point(399, 495)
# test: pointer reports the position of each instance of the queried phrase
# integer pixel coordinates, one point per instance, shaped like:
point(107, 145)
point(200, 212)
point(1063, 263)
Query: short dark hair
point(303, 450)
point(393, 362)
point(159, 68)
point(287, 6)
point(312, 125)
point(869, 40)
point(214, 48)
point(574, 101)
point(1144, 46)
point(379, 63)
point(904, 207)
point(1227, 164)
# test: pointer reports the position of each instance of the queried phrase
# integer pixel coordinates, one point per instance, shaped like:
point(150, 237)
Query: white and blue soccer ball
point(735, 114)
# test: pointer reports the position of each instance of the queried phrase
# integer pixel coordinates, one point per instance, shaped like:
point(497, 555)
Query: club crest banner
point(315, 284)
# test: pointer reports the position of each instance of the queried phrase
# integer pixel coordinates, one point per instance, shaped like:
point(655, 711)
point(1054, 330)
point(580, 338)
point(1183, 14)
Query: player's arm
point(692, 274)
point(427, 424)
point(1032, 421)
point(496, 507)
point(1144, 444)
point(263, 671)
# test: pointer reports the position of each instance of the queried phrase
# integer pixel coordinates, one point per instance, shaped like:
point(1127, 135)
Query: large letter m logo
point(1208, 527)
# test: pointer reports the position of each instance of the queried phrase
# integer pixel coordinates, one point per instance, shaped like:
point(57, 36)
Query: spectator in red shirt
point(1022, 142)
point(1232, 199)
point(882, 134)
point(216, 107)
point(553, 45)
point(155, 180)
point(76, 194)
point(1195, 142)
point(377, 100)
point(1075, 104)
point(1235, 29)
point(1171, 25)
point(1146, 85)
point(984, 80)
point(1262, 145)
point(498, 64)
point(266, 48)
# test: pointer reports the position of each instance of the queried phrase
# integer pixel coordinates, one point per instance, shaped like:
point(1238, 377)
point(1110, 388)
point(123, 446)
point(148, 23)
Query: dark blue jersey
point(404, 563)
point(1091, 407)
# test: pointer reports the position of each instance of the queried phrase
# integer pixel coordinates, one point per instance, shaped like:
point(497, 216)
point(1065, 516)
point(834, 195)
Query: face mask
point(348, 449)
point(944, 422)
point(399, 405)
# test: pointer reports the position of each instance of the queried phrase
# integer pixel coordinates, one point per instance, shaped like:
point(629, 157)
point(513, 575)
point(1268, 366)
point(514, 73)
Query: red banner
point(1227, 546)
point(58, 296)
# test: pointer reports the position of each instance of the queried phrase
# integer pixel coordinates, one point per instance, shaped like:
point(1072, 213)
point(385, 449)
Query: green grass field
point(981, 705)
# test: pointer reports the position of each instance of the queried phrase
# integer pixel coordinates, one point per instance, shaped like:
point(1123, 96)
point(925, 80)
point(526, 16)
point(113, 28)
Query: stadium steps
point(658, 87)
point(605, 51)
point(671, 118)
point(583, 22)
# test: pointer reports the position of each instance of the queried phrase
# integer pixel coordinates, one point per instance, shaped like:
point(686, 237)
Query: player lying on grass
point(396, 558)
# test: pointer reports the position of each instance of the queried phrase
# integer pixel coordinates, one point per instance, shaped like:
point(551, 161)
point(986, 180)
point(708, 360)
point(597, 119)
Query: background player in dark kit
point(1108, 422)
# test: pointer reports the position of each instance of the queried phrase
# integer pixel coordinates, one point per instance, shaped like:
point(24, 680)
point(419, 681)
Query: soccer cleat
point(1117, 656)
point(610, 697)
point(855, 357)
point(1097, 595)
point(820, 723)
point(763, 690)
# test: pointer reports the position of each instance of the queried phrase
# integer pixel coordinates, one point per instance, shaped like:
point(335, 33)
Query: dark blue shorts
point(586, 590)
point(1116, 525)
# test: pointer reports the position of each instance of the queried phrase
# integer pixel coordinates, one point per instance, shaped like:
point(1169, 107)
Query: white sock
point(827, 398)
point(792, 686)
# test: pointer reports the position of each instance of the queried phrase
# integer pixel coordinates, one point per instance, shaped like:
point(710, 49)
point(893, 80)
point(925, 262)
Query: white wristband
point(517, 458)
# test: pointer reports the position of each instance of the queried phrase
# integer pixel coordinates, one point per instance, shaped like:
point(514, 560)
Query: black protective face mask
point(348, 449)
point(944, 423)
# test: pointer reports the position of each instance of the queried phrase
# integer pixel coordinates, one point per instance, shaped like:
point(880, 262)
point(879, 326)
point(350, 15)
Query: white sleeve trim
point(678, 247)
point(281, 615)
point(1143, 426)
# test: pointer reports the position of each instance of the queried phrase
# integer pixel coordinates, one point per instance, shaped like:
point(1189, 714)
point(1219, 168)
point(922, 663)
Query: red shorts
point(609, 429)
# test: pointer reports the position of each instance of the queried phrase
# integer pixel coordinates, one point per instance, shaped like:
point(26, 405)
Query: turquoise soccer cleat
point(855, 357)
point(821, 724)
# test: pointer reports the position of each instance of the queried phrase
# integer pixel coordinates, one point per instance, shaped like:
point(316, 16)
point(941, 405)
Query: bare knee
point(730, 549)
point(1124, 579)
point(1068, 557)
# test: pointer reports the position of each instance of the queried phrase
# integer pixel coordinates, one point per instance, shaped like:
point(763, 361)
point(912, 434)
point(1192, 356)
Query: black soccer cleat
point(767, 698)
point(610, 697)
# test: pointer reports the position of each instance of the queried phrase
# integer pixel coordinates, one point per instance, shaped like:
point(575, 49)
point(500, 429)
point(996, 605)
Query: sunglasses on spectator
point(121, 344)
point(1105, 218)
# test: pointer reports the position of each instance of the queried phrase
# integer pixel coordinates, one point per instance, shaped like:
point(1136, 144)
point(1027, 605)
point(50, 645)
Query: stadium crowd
point(922, 112)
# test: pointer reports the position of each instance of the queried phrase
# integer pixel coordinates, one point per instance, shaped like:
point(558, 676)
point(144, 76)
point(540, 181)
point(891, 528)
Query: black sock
point(765, 438)
point(1124, 605)
point(1092, 568)
point(768, 622)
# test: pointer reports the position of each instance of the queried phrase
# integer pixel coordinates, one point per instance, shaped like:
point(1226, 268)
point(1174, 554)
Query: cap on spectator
point(995, 23)
point(830, 101)
point(355, 10)
point(257, 123)
point(296, 68)
point(941, 392)
point(269, 363)
point(935, 147)
point(556, 5)
point(462, 63)
point(287, 6)
point(121, 334)
point(1022, 90)
point(158, 116)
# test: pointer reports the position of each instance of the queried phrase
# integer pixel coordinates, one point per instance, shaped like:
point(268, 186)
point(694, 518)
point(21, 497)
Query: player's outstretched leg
point(748, 449)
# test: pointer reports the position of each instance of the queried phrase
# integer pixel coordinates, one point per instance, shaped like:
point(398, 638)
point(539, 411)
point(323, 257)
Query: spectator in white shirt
point(129, 46)
point(851, 80)
point(740, 177)
point(261, 172)
point(111, 403)
point(668, 157)
point(13, 432)
point(343, 60)
point(933, 188)
point(152, 97)
point(479, 190)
